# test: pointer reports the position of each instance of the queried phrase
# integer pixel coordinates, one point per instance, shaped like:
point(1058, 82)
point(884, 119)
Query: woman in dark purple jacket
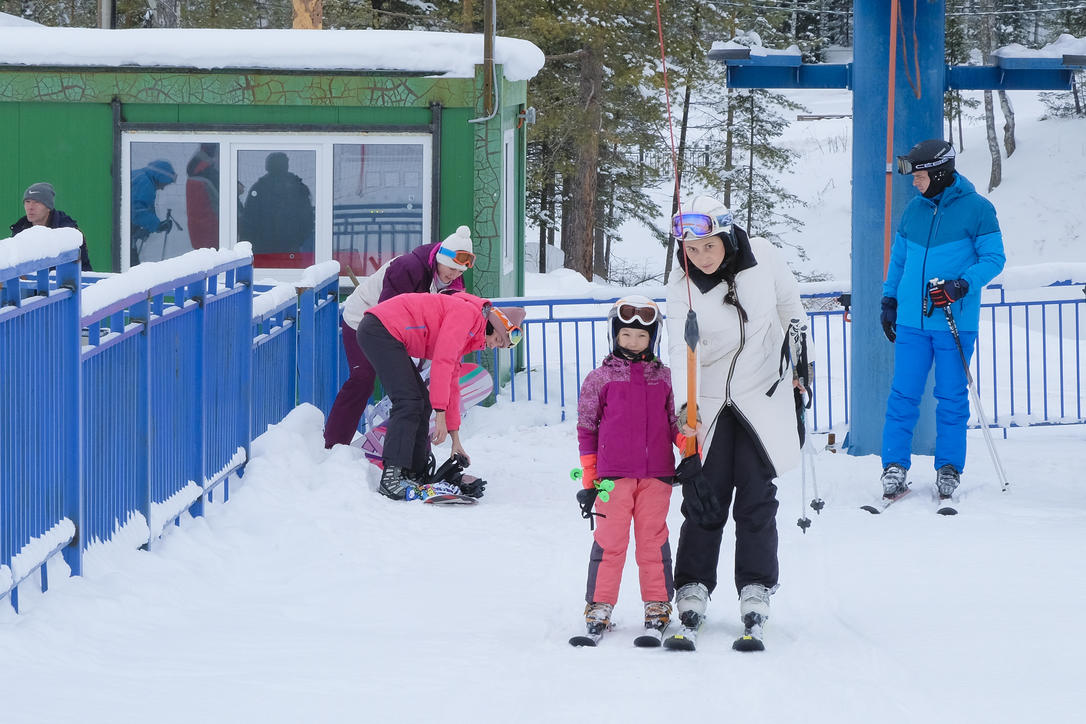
point(626, 427)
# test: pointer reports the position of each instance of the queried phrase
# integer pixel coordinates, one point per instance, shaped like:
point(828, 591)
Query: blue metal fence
point(1029, 364)
point(135, 412)
point(39, 442)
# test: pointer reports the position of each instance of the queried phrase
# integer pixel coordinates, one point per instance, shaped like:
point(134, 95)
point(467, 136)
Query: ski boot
point(657, 618)
point(893, 481)
point(394, 483)
point(946, 481)
point(597, 618)
point(690, 601)
point(754, 610)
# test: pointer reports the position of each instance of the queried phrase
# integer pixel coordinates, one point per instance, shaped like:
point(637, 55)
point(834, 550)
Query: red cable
point(674, 155)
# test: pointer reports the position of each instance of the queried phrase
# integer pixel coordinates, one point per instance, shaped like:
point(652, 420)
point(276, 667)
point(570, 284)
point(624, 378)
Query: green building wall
point(57, 125)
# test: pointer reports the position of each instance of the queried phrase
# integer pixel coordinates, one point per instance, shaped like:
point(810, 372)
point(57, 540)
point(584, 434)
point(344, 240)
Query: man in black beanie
point(39, 204)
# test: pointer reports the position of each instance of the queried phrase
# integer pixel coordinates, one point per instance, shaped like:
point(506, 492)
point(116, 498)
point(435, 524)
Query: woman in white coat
point(744, 297)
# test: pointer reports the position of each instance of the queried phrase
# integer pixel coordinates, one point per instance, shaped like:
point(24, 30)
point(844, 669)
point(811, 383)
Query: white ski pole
point(976, 402)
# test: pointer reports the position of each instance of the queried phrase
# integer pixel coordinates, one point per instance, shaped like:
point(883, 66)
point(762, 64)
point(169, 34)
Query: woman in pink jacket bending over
point(442, 328)
point(626, 427)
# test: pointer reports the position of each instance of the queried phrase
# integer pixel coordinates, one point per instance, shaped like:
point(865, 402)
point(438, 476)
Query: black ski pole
point(976, 401)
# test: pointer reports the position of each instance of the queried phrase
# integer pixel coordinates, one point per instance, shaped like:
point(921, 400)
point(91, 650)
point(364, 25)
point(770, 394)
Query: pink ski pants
point(644, 501)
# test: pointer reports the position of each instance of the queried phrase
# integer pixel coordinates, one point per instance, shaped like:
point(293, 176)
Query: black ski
point(751, 640)
point(686, 638)
point(653, 636)
point(945, 504)
point(884, 502)
point(592, 635)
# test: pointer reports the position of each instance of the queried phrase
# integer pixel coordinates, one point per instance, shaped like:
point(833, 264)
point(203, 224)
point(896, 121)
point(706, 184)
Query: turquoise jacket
point(953, 236)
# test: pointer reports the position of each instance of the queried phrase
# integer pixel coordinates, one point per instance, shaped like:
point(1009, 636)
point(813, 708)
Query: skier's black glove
point(471, 486)
point(165, 225)
point(889, 318)
point(944, 292)
point(586, 498)
point(699, 498)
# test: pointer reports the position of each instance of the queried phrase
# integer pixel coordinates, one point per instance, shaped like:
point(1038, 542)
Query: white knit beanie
point(460, 240)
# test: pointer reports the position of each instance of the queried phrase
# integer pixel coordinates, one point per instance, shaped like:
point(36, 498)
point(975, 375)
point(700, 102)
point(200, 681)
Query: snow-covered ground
point(309, 598)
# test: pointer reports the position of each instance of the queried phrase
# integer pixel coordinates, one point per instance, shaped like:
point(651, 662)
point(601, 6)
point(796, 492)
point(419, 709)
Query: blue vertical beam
point(914, 120)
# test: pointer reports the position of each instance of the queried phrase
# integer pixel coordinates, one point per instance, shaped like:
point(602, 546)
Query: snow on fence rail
point(127, 403)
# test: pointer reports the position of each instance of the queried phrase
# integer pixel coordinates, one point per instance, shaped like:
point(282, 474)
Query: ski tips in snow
point(686, 638)
point(751, 640)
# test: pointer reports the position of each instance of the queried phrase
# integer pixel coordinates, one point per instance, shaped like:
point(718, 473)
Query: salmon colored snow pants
point(645, 502)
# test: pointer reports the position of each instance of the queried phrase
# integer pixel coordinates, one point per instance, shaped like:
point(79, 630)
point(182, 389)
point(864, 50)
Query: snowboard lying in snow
point(447, 485)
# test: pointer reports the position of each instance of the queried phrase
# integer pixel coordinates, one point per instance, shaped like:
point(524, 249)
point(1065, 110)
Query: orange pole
point(691, 400)
point(890, 137)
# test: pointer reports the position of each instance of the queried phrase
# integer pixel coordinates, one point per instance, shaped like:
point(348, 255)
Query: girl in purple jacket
point(626, 426)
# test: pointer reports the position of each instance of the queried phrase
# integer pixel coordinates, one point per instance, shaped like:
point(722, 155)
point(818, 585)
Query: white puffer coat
point(739, 362)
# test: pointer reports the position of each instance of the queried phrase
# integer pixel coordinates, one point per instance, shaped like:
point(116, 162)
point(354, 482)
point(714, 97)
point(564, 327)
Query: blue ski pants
point(914, 352)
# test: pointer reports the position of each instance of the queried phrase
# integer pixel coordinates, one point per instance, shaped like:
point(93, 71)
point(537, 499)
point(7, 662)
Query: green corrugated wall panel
point(69, 145)
point(230, 88)
point(10, 189)
point(274, 115)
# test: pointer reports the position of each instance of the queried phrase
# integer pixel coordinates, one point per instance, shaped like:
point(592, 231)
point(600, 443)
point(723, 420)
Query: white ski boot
point(690, 601)
point(754, 611)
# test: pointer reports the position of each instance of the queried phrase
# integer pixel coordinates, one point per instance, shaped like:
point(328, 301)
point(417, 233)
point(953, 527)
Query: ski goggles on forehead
point(463, 258)
point(515, 332)
point(630, 312)
point(699, 225)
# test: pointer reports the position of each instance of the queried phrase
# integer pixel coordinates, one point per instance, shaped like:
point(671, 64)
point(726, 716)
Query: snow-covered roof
point(442, 54)
point(1063, 45)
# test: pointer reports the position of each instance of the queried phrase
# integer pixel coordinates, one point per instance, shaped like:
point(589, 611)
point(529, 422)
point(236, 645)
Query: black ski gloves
point(586, 498)
point(944, 292)
point(889, 318)
point(699, 498)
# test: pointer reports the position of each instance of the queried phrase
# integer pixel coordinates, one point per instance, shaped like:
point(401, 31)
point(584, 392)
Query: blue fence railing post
point(307, 341)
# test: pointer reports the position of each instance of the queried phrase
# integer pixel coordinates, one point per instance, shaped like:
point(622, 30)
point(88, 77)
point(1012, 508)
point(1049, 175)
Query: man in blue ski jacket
point(948, 247)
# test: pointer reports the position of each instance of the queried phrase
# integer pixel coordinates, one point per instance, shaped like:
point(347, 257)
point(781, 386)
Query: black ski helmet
point(631, 311)
point(935, 156)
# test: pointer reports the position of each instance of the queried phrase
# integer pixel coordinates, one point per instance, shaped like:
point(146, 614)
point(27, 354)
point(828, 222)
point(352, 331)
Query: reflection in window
point(377, 203)
point(168, 218)
point(277, 214)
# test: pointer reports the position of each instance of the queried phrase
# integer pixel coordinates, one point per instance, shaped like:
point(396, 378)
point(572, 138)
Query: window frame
point(231, 139)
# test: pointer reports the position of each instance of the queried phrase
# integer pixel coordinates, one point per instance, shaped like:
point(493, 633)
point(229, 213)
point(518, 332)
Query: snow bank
point(37, 243)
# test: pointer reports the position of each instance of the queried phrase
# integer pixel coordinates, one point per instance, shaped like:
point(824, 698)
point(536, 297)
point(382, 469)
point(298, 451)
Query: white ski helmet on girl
point(635, 312)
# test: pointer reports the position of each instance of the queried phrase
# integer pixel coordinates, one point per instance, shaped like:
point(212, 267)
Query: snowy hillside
point(1039, 202)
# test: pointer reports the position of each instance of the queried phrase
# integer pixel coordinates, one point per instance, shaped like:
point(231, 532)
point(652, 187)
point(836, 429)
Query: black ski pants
point(736, 467)
point(407, 438)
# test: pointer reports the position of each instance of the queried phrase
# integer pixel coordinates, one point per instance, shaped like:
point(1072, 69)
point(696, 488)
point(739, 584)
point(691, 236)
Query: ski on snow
point(884, 502)
point(751, 640)
point(944, 505)
point(686, 638)
point(651, 638)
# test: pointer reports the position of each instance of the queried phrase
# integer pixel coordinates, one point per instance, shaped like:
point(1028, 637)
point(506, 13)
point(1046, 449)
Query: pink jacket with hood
point(442, 328)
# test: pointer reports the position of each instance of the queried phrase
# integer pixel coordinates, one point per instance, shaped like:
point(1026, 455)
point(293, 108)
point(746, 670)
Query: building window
point(297, 198)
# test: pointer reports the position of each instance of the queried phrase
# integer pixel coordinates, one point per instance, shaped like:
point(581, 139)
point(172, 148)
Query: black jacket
point(57, 220)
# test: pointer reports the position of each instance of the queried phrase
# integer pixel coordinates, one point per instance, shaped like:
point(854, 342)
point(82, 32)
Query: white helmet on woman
point(704, 216)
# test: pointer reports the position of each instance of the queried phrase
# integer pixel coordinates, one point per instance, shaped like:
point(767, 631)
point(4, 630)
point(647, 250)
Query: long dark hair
point(737, 257)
